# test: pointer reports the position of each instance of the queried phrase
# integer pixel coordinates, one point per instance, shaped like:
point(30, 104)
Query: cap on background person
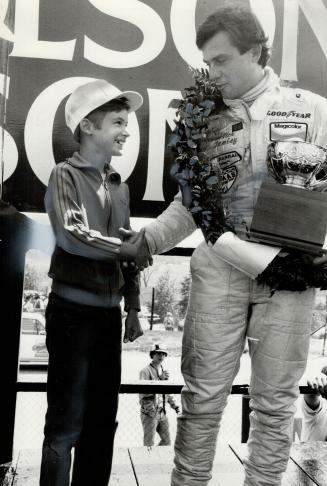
point(158, 348)
point(92, 95)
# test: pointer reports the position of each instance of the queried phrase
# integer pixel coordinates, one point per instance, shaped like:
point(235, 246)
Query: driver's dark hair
point(242, 26)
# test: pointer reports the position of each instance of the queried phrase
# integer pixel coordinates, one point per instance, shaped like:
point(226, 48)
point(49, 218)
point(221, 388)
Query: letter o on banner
point(39, 128)
point(9, 154)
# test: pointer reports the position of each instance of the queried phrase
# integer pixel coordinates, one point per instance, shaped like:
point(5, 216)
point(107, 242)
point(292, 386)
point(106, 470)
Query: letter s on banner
point(39, 127)
point(139, 14)
point(8, 148)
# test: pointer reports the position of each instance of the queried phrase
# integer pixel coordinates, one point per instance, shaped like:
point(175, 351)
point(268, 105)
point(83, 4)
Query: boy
point(87, 204)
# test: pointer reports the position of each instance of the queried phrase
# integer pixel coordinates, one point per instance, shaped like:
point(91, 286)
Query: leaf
point(174, 139)
point(212, 180)
point(189, 108)
point(191, 144)
point(207, 104)
point(196, 136)
point(175, 103)
point(207, 112)
point(196, 209)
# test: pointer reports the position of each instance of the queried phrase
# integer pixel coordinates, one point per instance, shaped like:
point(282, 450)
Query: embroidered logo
point(237, 126)
point(228, 158)
point(287, 114)
point(280, 131)
point(229, 177)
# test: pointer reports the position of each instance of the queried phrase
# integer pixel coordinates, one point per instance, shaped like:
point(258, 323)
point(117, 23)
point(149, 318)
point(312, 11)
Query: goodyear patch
point(280, 131)
point(288, 114)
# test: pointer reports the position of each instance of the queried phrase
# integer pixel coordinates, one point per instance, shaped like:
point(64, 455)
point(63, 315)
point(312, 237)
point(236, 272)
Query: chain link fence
point(31, 409)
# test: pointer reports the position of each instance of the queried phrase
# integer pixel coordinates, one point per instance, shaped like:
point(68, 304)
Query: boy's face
point(158, 358)
point(112, 134)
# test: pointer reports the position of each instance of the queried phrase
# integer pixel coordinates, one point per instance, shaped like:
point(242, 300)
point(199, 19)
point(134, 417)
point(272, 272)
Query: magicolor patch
point(280, 131)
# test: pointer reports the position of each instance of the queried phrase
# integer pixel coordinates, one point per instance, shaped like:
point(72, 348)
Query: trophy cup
point(292, 212)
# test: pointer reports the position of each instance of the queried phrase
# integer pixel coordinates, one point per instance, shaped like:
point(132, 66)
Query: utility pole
point(325, 335)
point(152, 309)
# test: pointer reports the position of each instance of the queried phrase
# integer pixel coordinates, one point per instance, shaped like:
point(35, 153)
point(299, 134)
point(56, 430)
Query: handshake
point(134, 249)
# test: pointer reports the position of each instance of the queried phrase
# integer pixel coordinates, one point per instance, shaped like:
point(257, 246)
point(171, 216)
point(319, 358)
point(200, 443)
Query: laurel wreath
point(201, 185)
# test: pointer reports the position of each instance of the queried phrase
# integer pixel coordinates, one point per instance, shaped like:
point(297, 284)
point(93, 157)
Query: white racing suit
point(225, 305)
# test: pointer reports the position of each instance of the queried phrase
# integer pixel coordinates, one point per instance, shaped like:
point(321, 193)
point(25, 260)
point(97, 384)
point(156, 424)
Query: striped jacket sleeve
point(70, 223)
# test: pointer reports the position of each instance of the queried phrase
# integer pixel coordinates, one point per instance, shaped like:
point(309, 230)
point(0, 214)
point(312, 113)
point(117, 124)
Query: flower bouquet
point(200, 183)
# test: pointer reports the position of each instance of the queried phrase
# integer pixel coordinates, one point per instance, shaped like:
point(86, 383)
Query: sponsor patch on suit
point(281, 130)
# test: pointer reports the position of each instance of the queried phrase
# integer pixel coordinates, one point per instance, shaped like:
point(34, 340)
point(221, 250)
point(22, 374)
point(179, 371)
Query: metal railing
point(156, 387)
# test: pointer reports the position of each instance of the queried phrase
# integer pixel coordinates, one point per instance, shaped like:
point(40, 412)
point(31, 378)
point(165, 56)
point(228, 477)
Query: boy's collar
point(81, 163)
point(111, 175)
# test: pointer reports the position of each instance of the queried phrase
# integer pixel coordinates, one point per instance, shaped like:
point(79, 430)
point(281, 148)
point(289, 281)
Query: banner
point(146, 46)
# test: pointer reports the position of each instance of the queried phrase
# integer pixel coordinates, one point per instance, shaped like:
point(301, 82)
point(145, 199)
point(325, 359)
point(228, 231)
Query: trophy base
point(290, 217)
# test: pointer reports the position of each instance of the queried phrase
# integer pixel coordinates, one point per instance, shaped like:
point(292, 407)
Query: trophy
point(292, 211)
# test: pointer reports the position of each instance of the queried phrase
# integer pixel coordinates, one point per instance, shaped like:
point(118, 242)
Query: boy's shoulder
point(62, 164)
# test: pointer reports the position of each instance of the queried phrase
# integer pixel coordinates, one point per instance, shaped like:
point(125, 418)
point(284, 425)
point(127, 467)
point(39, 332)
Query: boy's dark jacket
point(86, 213)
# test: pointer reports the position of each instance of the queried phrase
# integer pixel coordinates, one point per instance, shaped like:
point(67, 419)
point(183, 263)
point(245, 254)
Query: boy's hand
point(135, 248)
point(133, 328)
point(129, 235)
point(164, 375)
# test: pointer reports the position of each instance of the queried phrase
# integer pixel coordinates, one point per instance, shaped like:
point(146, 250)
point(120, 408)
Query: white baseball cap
point(90, 96)
point(158, 348)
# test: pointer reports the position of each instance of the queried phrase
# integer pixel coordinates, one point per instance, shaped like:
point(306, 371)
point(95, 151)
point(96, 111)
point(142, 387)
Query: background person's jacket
point(152, 403)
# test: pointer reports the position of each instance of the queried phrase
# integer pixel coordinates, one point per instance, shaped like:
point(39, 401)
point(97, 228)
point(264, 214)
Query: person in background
point(87, 203)
point(28, 305)
point(38, 303)
point(153, 406)
point(314, 409)
point(169, 322)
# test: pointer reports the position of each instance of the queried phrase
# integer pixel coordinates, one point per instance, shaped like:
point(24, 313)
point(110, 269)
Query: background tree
point(184, 291)
point(164, 295)
point(35, 278)
point(31, 277)
point(145, 276)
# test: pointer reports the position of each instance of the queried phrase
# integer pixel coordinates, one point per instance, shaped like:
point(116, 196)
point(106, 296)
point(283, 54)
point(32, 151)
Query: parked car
point(147, 314)
point(32, 340)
